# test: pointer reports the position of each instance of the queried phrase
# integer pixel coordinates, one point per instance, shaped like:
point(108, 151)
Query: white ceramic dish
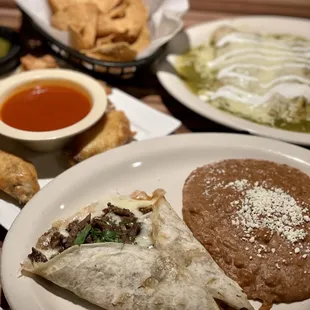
point(164, 163)
point(144, 121)
point(194, 36)
point(56, 139)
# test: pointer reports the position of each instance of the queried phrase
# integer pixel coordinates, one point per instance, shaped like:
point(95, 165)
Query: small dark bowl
point(11, 60)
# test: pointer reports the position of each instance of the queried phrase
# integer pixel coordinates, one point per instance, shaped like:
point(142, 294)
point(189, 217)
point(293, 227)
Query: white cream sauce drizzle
point(287, 90)
point(246, 53)
point(268, 58)
point(286, 78)
point(237, 37)
point(233, 67)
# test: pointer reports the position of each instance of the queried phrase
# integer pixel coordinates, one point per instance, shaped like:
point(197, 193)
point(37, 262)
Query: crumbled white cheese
point(272, 209)
point(235, 222)
point(234, 203)
point(252, 239)
point(297, 250)
point(238, 185)
point(305, 256)
point(273, 250)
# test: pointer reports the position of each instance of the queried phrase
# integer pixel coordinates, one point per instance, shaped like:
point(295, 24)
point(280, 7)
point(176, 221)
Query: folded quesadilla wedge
point(110, 258)
point(171, 235)
point(125, 276)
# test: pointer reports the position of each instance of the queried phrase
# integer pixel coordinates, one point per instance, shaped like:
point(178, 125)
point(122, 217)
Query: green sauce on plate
point(5, 47)
point(246, 74)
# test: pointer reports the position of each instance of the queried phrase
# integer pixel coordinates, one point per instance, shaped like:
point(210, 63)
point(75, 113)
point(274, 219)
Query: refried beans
point(253, 216)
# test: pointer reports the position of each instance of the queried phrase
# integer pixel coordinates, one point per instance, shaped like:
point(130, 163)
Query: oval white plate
point(159, 163)
point(194, 36)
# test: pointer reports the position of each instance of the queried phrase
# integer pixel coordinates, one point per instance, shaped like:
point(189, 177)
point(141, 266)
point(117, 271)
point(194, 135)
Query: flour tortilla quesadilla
point(171, 235)
point(127, 256)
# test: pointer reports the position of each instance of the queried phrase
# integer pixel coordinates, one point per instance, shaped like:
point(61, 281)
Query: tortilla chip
point(76, 14)
point(99, 56)
point(120, 51)
point(119, 11)
point(58, 5)
point(105, 6)
point(83, 36)
point(143, 40)
point(105, 40)
point(91, 54)
point(127, 28)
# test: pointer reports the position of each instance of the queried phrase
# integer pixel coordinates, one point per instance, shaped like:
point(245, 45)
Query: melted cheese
point(144, 239)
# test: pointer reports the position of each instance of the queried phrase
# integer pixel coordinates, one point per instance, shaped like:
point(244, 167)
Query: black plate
point(11, 60)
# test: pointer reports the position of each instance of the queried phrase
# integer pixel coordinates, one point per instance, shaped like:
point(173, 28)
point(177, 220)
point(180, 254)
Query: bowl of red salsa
point(43, 109)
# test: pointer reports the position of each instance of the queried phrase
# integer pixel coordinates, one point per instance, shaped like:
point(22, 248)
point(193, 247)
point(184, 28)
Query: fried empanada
point(112, 130)
point(120, 51)
point(18, 178)
point(76, 14)
point(30, 62)
point(126, 28)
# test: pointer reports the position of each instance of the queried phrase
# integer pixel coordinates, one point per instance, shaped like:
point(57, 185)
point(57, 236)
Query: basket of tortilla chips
point(110, 37)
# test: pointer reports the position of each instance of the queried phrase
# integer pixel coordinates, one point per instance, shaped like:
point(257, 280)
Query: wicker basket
point(99, 68)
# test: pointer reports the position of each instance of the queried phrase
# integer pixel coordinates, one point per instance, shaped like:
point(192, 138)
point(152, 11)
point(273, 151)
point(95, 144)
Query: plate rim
point(175, 142)
point(221, 117)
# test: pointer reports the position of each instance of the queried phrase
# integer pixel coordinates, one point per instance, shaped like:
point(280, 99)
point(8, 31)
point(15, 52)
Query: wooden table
point(148, 89)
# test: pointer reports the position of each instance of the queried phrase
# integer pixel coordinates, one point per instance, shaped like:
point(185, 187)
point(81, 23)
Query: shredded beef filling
point(113, 225)
point(146, 210)
point(125, 231)
point(74, 228)
point(37, 256)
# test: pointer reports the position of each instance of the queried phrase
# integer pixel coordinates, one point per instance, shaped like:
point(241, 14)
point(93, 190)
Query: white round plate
point(196, 35)
point(159, 163)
